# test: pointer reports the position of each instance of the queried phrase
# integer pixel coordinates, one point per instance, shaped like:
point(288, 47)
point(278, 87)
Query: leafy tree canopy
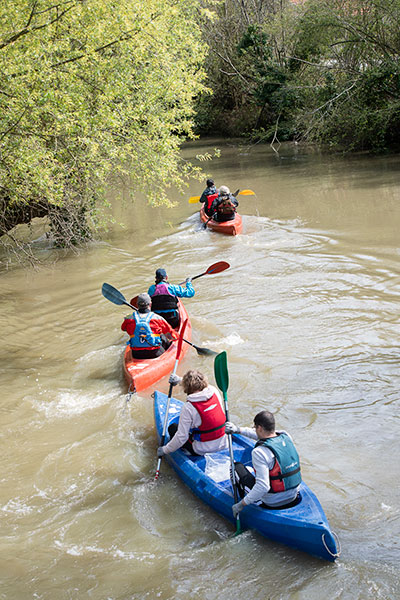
point(90, 88)
point(324, 71)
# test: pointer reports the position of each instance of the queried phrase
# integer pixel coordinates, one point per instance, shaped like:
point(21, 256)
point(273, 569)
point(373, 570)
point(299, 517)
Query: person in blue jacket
point(164, 297)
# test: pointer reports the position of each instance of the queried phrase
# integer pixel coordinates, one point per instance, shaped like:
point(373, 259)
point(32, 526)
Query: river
point(309, 315)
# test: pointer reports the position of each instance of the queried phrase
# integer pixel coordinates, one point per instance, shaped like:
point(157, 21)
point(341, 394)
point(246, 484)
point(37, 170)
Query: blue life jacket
point(285, 474)
point(143, 337)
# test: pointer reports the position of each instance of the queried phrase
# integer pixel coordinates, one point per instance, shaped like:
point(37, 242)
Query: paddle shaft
point(208, 220)
point(156, 476)
point(235, 492)
point(115, 296)
point(212, 270)
point(222, 379)
point(195, 199)
point(178, 352)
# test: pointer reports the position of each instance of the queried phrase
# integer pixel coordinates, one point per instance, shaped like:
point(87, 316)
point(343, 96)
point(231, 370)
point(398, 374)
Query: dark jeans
point(172, 429)
point(223, 218)
point(171, 317)
point(245, 479)
point(153, 353)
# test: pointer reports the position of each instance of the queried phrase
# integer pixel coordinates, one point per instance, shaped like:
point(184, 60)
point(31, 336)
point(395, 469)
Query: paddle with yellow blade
point(194, 199)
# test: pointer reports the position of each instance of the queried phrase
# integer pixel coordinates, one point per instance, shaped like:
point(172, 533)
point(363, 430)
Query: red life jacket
point(212, 420)
point(210, 200)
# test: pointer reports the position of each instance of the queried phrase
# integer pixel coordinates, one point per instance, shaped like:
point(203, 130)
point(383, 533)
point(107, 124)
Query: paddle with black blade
point(113, 295)
point(213, 215)
point(212, 270)
point(164, 431)
point(222, 379)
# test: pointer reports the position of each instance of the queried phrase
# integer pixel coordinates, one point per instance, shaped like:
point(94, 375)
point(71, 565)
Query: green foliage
point(325, 71)
point(91, 89)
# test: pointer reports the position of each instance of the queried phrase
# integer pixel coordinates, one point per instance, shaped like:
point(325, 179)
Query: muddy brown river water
point(309, 316)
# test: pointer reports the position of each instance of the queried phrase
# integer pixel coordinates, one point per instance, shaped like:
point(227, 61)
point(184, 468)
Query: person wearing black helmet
point(164, 297)
point(208, 196)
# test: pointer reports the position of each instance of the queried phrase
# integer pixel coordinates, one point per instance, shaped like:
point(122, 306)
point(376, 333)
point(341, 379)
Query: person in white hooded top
point(201, 427)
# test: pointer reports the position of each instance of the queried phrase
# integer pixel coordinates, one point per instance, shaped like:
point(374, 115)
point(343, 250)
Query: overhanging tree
point(89, 89)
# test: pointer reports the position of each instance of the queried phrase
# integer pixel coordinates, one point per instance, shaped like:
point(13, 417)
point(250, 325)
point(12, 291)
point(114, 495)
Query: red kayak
point(140, 373)
point(233, 227)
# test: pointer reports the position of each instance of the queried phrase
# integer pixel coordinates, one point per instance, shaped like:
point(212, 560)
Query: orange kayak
point(233, 227)
point(140, 373)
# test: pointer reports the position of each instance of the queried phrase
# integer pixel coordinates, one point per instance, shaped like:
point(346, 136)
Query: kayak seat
point(294, 502)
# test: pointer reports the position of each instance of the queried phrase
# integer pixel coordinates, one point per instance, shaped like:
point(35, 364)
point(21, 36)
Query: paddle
point(194, 199)
point(113, 295)
point(222, 379)
point(212, 270)
point(178, 352)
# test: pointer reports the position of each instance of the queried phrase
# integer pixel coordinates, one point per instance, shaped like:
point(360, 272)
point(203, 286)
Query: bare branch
point(13, 126)
point(27, 30)
point(32, 14)
point(334, 98)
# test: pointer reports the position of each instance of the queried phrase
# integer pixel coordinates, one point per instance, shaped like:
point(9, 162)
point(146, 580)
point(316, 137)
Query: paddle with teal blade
point(116, 297)
point(222, 379)
point(164, 431)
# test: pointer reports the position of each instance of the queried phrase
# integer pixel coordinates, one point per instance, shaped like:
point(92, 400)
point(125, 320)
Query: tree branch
point(27, 30)
point(3, 135)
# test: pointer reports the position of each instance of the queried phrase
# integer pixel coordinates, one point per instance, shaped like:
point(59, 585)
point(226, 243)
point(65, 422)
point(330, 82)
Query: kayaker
point(201, 427)
point(224, 206)
point(208, 196)
point(276, 465)
point(150, 335)
point(164, 297)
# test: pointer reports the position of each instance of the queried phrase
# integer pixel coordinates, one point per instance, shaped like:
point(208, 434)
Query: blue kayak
point(304, 526)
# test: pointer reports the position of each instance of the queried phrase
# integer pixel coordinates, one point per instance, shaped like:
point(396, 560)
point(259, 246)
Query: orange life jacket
point(226, 207)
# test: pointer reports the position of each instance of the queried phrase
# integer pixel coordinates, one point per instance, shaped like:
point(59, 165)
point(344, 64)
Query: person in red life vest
point(164, 297)
point(201, 427)
point(224, 206)
point(276, 465)
point(150, 335)
point(208, 196)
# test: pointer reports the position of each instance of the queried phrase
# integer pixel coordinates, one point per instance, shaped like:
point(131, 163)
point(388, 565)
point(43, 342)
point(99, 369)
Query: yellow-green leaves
point(90, 87)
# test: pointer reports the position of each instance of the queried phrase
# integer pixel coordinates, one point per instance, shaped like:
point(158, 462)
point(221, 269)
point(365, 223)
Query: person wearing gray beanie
point(224, 206)
point(149, 334)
